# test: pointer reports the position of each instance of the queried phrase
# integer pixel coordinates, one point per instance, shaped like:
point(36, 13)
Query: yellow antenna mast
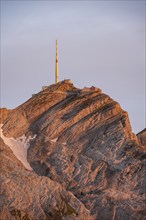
point(56, 69)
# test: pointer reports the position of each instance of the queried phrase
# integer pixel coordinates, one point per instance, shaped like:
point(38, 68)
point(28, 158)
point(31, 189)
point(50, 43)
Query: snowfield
point(19, 146)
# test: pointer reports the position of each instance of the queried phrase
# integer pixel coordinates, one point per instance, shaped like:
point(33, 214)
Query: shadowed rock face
point(142, 137)
point(85, 143)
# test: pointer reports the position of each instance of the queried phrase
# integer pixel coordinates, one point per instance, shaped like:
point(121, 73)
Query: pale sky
point(101, 43)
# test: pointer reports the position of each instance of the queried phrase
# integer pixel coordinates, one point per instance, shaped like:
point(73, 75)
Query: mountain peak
point(80, 142)
point(63, 86)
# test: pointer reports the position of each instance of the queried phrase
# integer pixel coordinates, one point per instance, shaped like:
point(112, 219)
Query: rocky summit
point(70, 153)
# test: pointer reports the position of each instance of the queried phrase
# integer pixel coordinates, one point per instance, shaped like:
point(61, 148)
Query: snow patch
point(19, 146)
point(54, 140)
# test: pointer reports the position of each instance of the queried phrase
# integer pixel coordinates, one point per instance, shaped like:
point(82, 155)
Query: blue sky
point(101, 43)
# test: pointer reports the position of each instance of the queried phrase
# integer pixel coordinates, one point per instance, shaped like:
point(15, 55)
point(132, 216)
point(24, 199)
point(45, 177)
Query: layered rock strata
point(27, 196)
point(84, 142)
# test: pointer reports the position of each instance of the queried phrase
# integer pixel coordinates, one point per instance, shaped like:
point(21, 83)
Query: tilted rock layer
point(26, 196)
point(83, 146)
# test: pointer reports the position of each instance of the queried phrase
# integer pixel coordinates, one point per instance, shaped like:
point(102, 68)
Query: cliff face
point(26, 196)
point(4, 113)
point(142, 137)
point(83, 143)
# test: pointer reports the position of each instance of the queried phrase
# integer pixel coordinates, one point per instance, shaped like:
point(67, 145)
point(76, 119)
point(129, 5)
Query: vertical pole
point(56, 69)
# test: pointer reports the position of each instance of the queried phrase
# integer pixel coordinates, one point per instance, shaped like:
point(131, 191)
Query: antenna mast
point(56, 66)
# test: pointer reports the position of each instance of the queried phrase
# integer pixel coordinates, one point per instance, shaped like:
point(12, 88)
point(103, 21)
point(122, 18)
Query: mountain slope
point(27, 196)
point(84, 141)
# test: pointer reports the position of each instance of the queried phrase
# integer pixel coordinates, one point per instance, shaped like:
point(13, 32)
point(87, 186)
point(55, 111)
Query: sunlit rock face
point(28, 196)
point(4, 113)
point(83, 143)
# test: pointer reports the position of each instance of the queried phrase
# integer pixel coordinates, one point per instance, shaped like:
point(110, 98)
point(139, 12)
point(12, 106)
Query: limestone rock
point(25, 195)
point(84, 144)
point(142, 137)
point(4, 113)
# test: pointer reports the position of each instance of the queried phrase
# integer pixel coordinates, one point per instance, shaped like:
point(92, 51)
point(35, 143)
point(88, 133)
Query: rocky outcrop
point(4, 113)
point(84, 142)
point(27, 196)
point(18, 122)
point(142, 137)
